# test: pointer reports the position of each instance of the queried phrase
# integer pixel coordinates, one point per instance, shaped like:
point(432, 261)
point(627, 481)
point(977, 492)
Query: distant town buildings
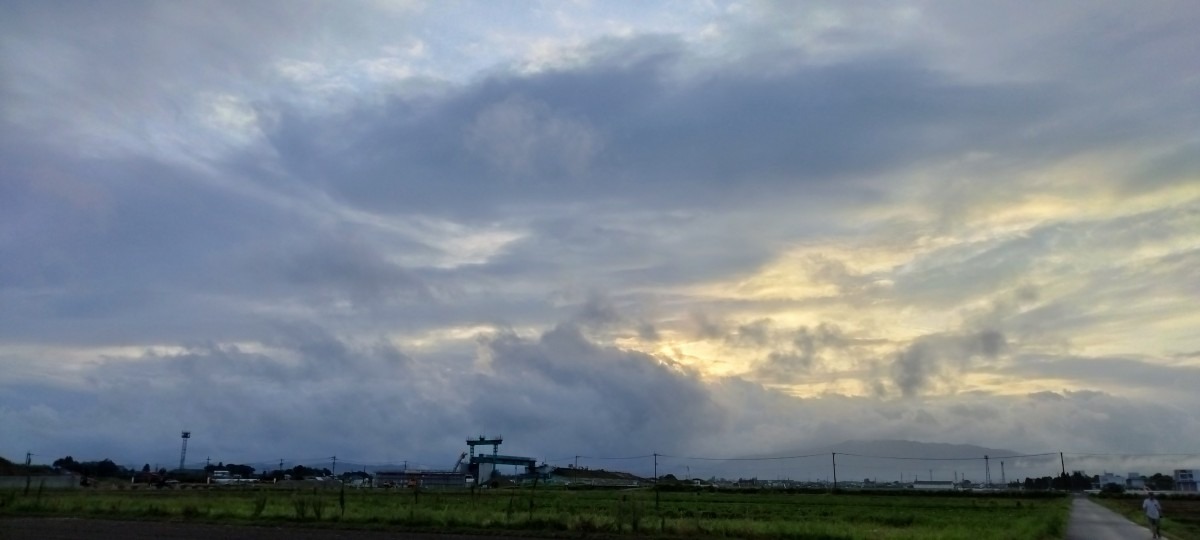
point(933, 484)
point(1185, 480)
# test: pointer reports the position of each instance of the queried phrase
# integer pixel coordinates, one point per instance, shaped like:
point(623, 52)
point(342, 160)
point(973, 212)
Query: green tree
point(68, 463)
point(1080, 481)
point(1160, 482)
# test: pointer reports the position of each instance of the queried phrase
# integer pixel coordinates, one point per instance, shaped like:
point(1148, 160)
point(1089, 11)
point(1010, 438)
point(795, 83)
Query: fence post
point(533, 493)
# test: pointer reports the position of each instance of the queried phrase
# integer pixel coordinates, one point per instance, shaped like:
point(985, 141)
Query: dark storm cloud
point(137, 246)
point(290, 401)
point(932, 357)
point(291, 398)
point(639, 130)
point(1024, 41)
point(586, 392)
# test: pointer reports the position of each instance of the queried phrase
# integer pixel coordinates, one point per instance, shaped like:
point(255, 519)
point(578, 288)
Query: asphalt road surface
point(98, 529)
point(1090, 521)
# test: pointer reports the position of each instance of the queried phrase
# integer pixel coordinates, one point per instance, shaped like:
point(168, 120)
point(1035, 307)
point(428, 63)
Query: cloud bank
point(722, 230)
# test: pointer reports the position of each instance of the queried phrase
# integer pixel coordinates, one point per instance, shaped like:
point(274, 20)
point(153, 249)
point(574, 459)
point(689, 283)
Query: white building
point(1135, 481)
point(1110, 478)
point(1185, 479)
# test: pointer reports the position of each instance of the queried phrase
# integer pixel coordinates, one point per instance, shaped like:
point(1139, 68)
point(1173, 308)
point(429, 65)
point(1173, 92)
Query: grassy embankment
point(1181, 514)
point(549, 512)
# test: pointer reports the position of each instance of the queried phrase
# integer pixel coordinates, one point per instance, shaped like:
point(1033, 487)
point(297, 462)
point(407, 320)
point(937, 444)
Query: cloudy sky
point(370, 229)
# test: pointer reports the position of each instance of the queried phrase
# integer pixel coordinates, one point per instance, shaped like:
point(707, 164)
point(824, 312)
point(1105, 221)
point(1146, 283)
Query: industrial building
point(933, 484)
point(576, 476)
point(422, 479)
point(483, 466)
point(479, 469)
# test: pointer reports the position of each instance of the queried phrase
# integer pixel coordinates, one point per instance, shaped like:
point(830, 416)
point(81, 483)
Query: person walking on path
point(1153, 512)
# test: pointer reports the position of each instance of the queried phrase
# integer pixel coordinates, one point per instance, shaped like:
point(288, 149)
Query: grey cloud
point(74, 77)
point(799, 350)
point(755, 333)
point(1046, 396)
point(636, 171)
point(1009, 271)
point(586, 392)
point(521, 138)
point(1024, 41)
point(597, 311)
point(937, 356)
point(704, 326)
point(647, 332)
point(1132, 373)
point(750, 132)
point(251, 406)
point(340, 267)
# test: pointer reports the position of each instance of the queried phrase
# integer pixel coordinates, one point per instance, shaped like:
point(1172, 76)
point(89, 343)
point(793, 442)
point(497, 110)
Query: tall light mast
point(183, 451)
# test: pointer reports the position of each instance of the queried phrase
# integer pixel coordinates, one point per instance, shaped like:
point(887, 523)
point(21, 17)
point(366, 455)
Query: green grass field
point(551, 512)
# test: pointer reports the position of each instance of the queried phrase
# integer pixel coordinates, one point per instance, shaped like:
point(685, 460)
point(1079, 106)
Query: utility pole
point(834, 456)
point(334, 466)
point(28, 463)
point(1003, 479)
point(1063, 463)
point(987, 472)
point(576, 471)
point(656, 481)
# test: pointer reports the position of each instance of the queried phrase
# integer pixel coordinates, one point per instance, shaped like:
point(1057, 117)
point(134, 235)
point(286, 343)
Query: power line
point(1128, 455)
point(774, 458)
point(647, 456)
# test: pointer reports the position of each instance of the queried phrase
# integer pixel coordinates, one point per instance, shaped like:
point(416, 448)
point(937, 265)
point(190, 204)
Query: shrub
point(300, 506)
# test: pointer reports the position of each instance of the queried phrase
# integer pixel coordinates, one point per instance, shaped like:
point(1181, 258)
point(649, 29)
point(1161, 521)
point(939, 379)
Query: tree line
point(1078, 481)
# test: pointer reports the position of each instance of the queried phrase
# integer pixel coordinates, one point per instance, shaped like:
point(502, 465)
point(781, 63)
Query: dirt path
point(1090, 521)
point(72, 529)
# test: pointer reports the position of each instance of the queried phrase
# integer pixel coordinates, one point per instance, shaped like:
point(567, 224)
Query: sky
point(372, 229)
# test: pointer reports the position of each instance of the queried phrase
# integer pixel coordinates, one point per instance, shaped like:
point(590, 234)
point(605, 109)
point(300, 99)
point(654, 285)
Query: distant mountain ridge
point(898, 449)
point(878, 459)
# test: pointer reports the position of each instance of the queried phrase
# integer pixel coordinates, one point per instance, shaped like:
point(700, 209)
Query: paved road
point(1090, 521)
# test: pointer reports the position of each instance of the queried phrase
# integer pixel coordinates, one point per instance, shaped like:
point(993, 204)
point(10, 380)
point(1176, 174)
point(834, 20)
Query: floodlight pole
point(185, 435)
